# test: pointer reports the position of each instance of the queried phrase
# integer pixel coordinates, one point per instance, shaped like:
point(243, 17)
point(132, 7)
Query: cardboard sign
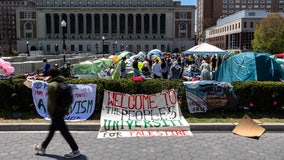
point(248, 128)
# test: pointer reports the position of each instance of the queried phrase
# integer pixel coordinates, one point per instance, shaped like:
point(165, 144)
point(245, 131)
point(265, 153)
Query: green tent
point(93, 67)
point(249, 66)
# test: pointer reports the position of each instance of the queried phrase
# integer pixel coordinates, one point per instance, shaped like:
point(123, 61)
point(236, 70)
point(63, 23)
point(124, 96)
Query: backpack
point(65, 96)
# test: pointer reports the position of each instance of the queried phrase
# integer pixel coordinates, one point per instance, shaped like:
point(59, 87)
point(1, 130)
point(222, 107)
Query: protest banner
point(125, 115)
point(82, 108)
point(207, 95)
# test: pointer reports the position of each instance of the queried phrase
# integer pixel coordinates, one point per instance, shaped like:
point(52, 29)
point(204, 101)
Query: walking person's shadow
point(58, 157)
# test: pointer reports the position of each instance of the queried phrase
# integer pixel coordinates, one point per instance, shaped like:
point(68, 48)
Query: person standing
point(57, 113)
point(175, 71)
point(165, 68)
point(135, 67)
point(214, 63)
point(123, 68)
point(46, 67)
point(205, 71)
point(157, 69)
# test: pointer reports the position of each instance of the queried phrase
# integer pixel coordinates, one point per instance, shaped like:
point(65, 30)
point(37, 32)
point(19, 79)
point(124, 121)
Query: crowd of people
point(180, 66)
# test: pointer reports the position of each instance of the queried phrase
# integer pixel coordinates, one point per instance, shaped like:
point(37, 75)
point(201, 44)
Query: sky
point(188, 2)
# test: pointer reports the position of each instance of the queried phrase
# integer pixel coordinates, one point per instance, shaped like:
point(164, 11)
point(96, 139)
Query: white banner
point(126, 115)
point(82, 107)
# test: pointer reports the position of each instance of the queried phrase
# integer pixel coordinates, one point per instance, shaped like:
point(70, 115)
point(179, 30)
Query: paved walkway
point(17, 145)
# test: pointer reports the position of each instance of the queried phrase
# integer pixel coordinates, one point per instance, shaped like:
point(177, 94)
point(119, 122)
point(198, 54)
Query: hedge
point(252, 95)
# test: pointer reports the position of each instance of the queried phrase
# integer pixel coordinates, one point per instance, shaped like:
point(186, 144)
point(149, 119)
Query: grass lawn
point(209, 117)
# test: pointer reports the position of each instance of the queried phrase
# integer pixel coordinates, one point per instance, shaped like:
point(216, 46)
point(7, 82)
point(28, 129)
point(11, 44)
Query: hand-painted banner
point(207, 95)
point(82, 107)
point(134, 115)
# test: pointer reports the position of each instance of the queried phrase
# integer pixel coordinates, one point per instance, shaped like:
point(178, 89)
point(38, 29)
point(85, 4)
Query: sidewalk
point(95, 126)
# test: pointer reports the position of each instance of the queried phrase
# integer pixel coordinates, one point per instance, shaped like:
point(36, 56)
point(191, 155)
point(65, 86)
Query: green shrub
point(255, 96)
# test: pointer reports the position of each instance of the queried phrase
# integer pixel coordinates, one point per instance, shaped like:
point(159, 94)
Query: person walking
point(57, 114)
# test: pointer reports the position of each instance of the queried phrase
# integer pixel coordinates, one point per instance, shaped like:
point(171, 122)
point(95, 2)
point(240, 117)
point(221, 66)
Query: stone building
point(108, 26)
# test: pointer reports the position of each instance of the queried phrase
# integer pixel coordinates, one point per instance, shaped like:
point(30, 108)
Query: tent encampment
point(249, 66)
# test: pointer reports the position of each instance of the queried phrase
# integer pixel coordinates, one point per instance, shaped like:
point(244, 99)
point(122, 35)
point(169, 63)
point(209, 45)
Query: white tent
point(205, 48)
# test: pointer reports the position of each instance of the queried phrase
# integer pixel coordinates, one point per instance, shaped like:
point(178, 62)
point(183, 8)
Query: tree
point(269, 34)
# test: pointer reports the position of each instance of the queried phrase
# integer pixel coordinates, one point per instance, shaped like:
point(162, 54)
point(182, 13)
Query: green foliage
point(269, 34)
point(265, 96)
point(6, 91)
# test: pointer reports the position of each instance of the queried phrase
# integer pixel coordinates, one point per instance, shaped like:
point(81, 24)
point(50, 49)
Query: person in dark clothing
point(57, 114)
point(214, 63)
point(135, 67)
point(46, 67)
point(165, 69)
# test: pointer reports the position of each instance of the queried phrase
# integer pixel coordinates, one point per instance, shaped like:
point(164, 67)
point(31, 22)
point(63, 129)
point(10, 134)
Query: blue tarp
point(249, 66)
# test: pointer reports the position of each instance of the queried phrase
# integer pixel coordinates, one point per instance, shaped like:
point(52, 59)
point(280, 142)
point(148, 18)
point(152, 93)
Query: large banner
point(125, 115)
point(82, 107)
point(206, 95)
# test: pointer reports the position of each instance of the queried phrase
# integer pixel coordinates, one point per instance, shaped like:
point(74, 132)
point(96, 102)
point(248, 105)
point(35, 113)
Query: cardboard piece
point(248, 128)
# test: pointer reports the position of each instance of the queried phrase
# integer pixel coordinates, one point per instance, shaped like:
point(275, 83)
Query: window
point(97, 4)
point(105, 3)
point(28, 15)
point(89, 4)
point(130, 3)
point(113, 3)
point(182, 15)
point(63, 3)
point(183, 27)
point(146, 4)
point(47, 4)
point(154, 4)
point(121, 3)
point(28, 26)
point(245, 24)
point(72, 4)
point(225, 1)
point(138, 4)
point(80, 4)
point(251, 24)
point(55, 4)
point(225, 6)
point(163, 4)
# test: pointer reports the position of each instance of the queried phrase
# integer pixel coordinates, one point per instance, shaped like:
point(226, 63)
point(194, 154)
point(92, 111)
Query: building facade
point(235, 32)
point(108, 26)
point(209, 11)
point(8, 23)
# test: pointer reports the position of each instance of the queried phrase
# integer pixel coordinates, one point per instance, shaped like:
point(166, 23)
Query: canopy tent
point(205, 48)
point(154, 52)
point(249, 66)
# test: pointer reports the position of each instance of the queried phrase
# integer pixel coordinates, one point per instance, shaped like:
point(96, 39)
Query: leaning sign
point(141, 115)
point(82, 107)
point(208, 95)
